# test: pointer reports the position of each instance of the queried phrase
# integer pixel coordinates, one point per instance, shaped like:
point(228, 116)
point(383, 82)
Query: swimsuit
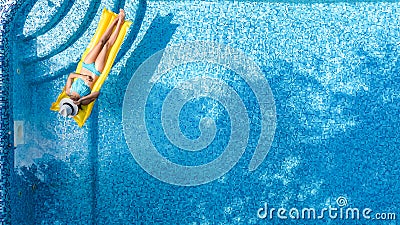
point(79, 86)
point(91, 67)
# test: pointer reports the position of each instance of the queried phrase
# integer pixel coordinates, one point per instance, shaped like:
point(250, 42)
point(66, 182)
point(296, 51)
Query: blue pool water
point(212, 111)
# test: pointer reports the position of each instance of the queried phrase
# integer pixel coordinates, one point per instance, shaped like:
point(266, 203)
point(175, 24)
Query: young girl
point(79, 90)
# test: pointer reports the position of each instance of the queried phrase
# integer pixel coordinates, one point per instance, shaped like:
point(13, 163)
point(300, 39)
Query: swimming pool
point(259, 105)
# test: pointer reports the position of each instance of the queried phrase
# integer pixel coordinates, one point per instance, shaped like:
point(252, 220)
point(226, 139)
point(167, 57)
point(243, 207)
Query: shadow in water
point(352, 146)
point(156, 38)
point(94, 119)
point(39, 190)
point(135, 27)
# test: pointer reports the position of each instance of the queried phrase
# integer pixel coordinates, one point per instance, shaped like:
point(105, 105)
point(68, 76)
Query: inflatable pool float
point(106, 18)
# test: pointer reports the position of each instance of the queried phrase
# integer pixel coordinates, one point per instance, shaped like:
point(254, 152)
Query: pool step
point(19, 133)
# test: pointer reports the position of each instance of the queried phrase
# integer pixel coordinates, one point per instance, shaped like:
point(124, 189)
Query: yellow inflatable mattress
point(106, 18)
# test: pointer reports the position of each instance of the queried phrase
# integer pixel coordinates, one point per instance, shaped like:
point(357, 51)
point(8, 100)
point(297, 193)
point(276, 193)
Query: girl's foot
point(121, 14)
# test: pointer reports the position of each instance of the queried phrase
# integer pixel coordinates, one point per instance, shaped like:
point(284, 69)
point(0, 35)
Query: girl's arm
point(88, 98)
point(70, 79)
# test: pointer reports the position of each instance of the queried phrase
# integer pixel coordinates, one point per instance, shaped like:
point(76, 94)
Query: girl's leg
point(121, 19)
point(102, 56)
point(92, 55)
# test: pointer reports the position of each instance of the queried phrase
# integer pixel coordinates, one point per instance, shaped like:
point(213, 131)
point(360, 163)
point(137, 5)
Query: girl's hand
point(77, 102)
